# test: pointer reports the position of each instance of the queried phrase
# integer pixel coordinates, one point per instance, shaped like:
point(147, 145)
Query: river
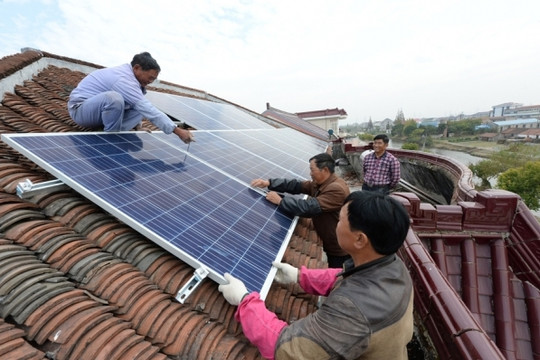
point(462, 157)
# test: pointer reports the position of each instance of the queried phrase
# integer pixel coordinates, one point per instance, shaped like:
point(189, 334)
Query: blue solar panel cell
point(204, 215)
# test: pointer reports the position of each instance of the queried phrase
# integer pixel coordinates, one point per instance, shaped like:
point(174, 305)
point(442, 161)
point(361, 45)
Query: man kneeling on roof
point(368, 312)
point(113, 99)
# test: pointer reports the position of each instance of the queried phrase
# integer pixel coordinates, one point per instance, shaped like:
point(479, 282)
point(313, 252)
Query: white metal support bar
point(186, 290)
point(27, 188)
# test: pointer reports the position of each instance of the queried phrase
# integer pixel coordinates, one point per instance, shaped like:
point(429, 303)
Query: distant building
point(501, 109)
point(489, 136)
point(385, 125)
point(517, 124)
point(478, 115)
point(532, 111)
point(430, 122)
point(325, 119)
point(530, 134)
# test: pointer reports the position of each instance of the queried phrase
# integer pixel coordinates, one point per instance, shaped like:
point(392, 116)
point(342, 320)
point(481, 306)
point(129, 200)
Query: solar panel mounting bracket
point(27, 188)
point(197, 278)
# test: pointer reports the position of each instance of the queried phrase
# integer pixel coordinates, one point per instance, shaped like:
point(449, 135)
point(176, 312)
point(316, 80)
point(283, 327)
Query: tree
point(463, 127)
point(524, 181)
point(487, 170)
point(399, 123)
point(409, 126)
point(370, 125)
point(515, 155)
point(397, 129)
point(400, 118)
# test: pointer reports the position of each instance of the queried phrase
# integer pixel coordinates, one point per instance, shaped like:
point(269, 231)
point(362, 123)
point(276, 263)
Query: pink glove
point(261, 326)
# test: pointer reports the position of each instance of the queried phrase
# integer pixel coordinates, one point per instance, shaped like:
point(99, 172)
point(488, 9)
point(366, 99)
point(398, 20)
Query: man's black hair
point(146, 61)
point(382, 218)
point(382, 137)
point(323, 160)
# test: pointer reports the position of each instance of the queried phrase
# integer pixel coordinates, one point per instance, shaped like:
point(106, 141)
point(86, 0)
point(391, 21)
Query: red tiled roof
point(76, 283)
point(79, 284)
point(530, 132)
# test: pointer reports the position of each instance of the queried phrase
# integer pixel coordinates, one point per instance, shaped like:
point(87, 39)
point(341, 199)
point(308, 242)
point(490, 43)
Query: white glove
point(234, 291)
point(286, 274)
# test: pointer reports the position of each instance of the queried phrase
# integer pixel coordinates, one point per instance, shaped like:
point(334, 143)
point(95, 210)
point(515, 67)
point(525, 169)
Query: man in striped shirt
point(381, 169)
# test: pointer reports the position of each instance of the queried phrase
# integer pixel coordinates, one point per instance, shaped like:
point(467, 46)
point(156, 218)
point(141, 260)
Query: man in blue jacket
point(113, 99)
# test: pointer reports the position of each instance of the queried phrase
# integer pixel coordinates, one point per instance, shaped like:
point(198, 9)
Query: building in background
point(325, 119)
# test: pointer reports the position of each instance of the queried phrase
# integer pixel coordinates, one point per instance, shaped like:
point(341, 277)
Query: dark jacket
point(367, 315)
point(323, 206)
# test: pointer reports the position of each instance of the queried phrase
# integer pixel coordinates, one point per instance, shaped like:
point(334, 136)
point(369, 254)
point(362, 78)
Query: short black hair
point(382, 137)
point(146, 61)
point(323, 160)
point(382, 218)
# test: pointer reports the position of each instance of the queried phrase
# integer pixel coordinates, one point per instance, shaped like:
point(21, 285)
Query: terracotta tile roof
point(77, 284)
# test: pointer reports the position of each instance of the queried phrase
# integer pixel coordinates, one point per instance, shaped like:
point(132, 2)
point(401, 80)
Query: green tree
point(517, 155)
point(463, 127)
point(366, 137)
point(409, 126)
point(487, 170)
point(397, 129)
point(400, 118)
point(429, 129)
point(370, 125)
point(524, 181)
point(399, 121)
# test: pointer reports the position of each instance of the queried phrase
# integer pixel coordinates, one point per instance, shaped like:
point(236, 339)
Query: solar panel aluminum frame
point(143, 230)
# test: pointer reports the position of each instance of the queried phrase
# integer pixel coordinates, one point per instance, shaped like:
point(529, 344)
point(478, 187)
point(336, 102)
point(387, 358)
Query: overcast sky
point(429, 58)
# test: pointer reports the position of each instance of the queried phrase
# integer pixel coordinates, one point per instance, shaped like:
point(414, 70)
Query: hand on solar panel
point(261, 183)
point(273, 197)
point(286, 274)
point(185, 135)
point(234, 291)
point(139, 127)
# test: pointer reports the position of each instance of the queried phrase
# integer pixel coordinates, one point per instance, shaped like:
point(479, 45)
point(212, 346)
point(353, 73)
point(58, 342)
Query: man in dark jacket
point(368, 310)
point(326, 195)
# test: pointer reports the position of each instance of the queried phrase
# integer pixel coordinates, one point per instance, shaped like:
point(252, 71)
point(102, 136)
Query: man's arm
point(318, 281)
point(395, 173)
point(261, 326)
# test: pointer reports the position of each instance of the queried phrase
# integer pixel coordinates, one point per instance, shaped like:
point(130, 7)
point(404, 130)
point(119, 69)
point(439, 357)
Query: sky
point(371, 58)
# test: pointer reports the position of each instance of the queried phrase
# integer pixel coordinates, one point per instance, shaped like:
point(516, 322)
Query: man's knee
point(114, 99)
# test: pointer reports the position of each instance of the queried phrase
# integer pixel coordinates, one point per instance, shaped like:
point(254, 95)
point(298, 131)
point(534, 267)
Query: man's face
point(317, 175)
point(145, 77)
point(344, 234)
point(379, 147)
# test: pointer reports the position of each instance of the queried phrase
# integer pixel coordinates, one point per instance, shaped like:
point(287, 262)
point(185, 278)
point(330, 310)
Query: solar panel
point(249, 154)
point(204, 214)
point(203, 114)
